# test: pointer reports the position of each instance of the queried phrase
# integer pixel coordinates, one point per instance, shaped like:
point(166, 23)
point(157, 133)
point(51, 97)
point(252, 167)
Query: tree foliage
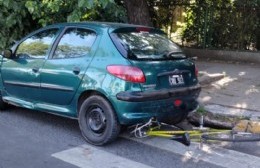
point(53, 11)
point(228, 24)
point(13, 21)
point(225, 24)
point(18, 18)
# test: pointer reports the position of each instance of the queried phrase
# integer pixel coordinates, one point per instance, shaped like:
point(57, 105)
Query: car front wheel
point(97, 121)
point(2, 104)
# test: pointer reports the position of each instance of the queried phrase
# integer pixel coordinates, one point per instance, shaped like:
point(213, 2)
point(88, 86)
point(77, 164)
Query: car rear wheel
point(97, 121)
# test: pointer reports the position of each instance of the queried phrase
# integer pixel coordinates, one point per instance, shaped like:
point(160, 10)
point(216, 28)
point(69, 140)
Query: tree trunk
point(138, 12)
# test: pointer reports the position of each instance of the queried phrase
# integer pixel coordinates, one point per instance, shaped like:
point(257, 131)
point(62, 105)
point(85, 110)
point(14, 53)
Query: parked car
point(104, 74)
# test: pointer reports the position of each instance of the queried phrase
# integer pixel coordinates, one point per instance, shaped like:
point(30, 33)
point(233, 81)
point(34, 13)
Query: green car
point(106, 75)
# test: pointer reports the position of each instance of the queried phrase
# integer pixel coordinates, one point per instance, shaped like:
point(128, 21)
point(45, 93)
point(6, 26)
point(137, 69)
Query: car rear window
point(145, 44)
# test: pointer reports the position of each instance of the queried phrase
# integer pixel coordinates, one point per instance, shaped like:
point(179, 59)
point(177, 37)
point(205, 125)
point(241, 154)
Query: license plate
point(176, 80)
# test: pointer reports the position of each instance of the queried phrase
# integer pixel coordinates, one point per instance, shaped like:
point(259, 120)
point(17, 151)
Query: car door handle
point(35, 69)
point(76, 70)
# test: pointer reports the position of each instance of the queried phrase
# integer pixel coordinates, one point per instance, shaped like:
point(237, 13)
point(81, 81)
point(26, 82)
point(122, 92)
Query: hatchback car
point(106, 75)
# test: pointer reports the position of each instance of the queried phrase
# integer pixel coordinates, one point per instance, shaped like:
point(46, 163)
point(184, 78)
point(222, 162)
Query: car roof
point(95, 24)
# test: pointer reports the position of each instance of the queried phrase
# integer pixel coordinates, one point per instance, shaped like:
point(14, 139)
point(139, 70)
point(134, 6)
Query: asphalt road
point(30, 139)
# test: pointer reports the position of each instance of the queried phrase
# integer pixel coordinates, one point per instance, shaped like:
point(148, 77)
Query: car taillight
point(127, 73)
point(177, 103)
point(196, 71)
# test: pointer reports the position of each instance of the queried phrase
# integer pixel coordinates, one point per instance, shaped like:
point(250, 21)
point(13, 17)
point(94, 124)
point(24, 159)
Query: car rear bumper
point(139, 96)
point(130, 113)
point(137, 107)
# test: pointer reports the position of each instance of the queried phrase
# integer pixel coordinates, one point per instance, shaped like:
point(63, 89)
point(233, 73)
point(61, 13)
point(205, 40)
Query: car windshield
point(149, 46)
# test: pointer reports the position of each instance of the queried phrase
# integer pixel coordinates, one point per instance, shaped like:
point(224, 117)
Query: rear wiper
point(174, 54)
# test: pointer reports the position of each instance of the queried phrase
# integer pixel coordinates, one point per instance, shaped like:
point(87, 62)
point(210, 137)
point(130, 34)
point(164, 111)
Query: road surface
point(30, 139)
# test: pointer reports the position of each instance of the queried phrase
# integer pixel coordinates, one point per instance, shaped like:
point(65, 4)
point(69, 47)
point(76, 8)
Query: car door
point(21, 73)
point(62, 73)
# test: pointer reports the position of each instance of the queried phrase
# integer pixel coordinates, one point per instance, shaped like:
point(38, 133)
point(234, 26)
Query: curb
point(232, 112)
point(219, 116)
point(224, 55)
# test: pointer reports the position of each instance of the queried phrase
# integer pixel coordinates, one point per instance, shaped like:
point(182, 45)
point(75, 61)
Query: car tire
point(97, 121)
point(2, 104)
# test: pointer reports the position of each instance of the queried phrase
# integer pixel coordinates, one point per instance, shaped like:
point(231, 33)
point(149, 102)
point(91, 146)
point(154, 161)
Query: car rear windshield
point(146, 44)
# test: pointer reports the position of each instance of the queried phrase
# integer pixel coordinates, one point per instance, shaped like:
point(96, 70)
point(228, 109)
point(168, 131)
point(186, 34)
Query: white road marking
point(208, 153)
point(87, 156)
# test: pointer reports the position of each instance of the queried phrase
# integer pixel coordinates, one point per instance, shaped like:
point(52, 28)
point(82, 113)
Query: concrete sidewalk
point(230, 90)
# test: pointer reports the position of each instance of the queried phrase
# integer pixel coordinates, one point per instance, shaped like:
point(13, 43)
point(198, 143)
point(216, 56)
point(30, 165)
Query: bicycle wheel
point(232, 137)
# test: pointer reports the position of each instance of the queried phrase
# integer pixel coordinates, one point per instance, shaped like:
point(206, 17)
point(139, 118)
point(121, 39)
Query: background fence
point(218, 24)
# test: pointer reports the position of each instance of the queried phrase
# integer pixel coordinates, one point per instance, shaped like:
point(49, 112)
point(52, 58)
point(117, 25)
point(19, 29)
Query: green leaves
point(104, 3)
point(75, 16)
point(224, 24)
point(11, 20)
point(18, 18)
point(7, 4)
point(88, 4)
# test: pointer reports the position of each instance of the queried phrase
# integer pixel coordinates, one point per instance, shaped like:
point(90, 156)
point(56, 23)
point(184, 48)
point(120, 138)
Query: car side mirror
point(7, 53)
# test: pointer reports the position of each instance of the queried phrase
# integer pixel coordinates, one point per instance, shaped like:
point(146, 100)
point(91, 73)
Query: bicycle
point(202, 134)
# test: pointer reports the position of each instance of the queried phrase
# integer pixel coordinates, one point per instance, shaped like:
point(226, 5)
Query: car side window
point(75, 42)
point(37, 46)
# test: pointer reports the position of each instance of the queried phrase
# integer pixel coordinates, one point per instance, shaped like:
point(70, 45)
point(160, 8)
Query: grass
point(202, 111)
